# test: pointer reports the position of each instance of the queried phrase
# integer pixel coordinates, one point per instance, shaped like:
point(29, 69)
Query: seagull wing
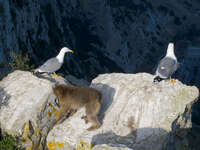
point(51, 65)
point(166, 67)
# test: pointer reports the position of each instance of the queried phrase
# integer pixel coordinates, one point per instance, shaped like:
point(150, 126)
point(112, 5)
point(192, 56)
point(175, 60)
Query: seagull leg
point(172, 80)
point(55, 75)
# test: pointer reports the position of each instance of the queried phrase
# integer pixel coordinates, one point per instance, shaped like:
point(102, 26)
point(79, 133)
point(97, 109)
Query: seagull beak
point(71, 51)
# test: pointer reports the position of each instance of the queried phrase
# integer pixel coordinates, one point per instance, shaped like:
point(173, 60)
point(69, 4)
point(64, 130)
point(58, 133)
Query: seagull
point(167, 66)
point(53, 64)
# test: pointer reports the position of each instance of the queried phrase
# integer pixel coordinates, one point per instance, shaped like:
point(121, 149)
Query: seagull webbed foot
point(172, 80)
point(55, 75)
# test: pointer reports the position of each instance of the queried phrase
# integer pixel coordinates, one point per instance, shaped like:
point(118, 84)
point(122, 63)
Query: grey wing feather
point(50, 65)
point(167, 66)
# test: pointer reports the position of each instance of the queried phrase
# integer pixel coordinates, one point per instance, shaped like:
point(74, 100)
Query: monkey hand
point(85, 118)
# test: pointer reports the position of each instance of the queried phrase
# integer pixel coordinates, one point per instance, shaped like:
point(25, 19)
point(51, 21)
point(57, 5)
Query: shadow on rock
point(57, 80)
point(184, 139)
point(45, 77)
point(185, 134)
point(108, 96)
point(136, 140)
point(4, 97)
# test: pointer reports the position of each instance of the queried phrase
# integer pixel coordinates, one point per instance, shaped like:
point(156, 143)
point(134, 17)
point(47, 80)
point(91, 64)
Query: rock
point(75, 81)
point(136, 113)
point(28, 107)
point(107, 147)
point(185, 134)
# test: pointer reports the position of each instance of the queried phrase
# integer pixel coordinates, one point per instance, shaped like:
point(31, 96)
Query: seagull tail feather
point(37, 72)
point(157, 79)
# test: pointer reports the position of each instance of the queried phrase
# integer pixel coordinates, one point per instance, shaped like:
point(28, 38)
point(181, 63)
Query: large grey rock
point(136, 113)
point(28, 107)
point(75, 81)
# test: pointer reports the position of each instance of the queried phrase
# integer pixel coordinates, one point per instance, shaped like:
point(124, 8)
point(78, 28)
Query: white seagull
point(167, 66)
point(53, 64)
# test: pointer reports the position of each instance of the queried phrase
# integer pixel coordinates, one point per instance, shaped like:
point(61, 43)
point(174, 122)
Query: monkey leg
point(92, 111)
point(95, 122)
point(71, 112)
point(64, 113)
point(85, 118)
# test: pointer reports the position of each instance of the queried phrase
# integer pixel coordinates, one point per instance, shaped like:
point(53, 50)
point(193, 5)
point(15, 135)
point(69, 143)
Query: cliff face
point(185, 133)
point(135, 113)
point(107, 36)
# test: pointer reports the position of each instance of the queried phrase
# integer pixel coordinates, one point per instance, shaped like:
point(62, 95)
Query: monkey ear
point(58, 90)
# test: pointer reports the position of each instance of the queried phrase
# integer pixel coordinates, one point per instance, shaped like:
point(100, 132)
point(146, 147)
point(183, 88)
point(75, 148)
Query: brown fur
point(72, 98)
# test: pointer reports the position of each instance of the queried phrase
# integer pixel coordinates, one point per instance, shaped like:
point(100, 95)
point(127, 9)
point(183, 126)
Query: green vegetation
point(8, 143)
point(20, 61)
point(186, 147)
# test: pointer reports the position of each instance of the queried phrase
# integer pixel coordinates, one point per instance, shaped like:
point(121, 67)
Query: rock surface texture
point(135, 114)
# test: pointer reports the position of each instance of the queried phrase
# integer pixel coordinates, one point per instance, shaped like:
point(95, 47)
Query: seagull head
point(170, 50)
point(65, 50)
point(62, 52)
point(171, 47)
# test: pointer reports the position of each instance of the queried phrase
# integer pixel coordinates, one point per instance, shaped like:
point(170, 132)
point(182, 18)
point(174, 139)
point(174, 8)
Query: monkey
point(71, 98)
